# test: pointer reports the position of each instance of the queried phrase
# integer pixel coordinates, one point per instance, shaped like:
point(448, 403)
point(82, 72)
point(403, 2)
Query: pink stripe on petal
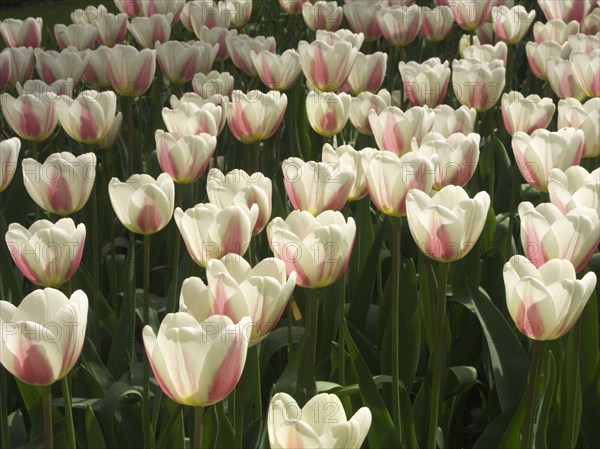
point(227, 375)
point(32, 366)
point(318, 68)
point(59, 195)
point(148, 219)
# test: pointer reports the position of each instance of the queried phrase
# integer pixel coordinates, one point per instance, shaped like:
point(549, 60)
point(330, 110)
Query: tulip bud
point(9, 154)
point(327, 112)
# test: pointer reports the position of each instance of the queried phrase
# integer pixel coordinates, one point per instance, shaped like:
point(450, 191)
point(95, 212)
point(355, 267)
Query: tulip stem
point(128, 109)
point(439, 353)
point(96, 261)
point(64, 383)
point(537, 356)
point(252, 154)
point(396, 267)
point(312, 306)
point(146, 425)
point(164, 436)
point(198, 421)
point(240, 402)
point(47, 414)
point(172, 308)
point(5, 440)
point(341, 336)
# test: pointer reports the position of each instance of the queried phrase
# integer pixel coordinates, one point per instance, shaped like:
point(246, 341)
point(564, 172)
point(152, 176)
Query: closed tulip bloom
point(211, 232)
point(31, 117)
point(426, 83)
point(326, 67)
point(22, 33)
point(563, 79)
point(238, 187)
point(152, 7)
point(394, 128)
point(400, 25)
point(448, 121)
point(591, 23)
point(586, 67)
point(471, 14)
point(332, 38)
point(20, 65)
point(197, 364)
point(255, 116)
point(368, 72)
point(573, 188)
point(302, 428)
point(538, 56)
point(547, 233)
point(131, 71)
point(52, 65)
point(317, 186)
point(446, 226)
point(47, 254)
point(487, 52)
point(112, 28)
point(129, 7)
point(96, 71)
point(347, 156)
point(362, 18)
point(236, 290)
point(511, 24)
point(218, 35)
point(240, 10)
point(88, 117)
point(316, 248)
point(180, 61)
point(9, 154)
point(545, 302)
point(322, 15)
point(42, 338)
point(437, 22)
point(143, 205)
point(213, 83)
point(327, 112)
point(565, 10)
point(190, 118)
point(184, 158)
point(538, 154)
point(554, 30)
point(148, 30)
point(476, 84)
point(586, 116)
point(81, 37)
point(526, 114)
point(210, 15)
point(63, 183)
point(361, 105)
point(277, 72)
point(240, 50)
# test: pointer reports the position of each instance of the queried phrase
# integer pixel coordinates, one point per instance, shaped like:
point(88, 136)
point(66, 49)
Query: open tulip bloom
point(574, 187)
point(9, 153)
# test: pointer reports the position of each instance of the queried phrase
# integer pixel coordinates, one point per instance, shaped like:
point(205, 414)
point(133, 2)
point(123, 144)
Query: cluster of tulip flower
point(419, 151)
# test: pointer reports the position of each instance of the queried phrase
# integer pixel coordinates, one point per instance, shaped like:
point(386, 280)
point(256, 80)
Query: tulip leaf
point(496, 429)
point(459, 379)
point(409, 325)
point(32, 397)
point(95, 439)
point(118, 396)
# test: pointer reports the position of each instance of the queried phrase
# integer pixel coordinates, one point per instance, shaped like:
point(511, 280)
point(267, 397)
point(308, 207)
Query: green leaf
point(119, 395)
point(95, 439)
point(459, 379)
point(410, 325)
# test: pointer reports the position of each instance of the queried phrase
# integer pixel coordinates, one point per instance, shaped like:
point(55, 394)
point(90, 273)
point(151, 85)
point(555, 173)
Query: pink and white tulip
point(277, 72)
point(210, 15)
point(471, 14)
point(511, 24)
point(591, 23)
point(526, 114)
point(538, 56)
point(332, 38)
point(586, 67)
point(362, 18)
point(573, 188)
point(554, 30)
point(400, 25)
point(486, 53)
point(292, 6)
point(361, 105)
point(240, 11)
point(148, 30)
point(240, 50)
point(476, 84)
point(437, 22)
point(368, 72)
point(52, 65)
point(112, 29)
point(21, 62)
point(347, 156)
point(22, 33)
point(322, 15)
point(9, 154)
point(326, 67)
point(448, 121)
point(195, 117)
point(212, 83)
point(425, 84)
point(81, 37)
point(394, 129)
point(566, 10)
point(255, 116)
point(180, 61)
point(87, 118)
point(327, 112)
point(32, 117)
point(40, 89)
point(564, 80)
point(218, 35)
point(586, 116)
point(129, 7)
point(184, 158)
point(131, 71)
point(152, 7)
point(96, 71)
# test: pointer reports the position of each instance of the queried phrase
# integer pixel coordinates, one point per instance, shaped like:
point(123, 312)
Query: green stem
point(396, 267)
point(252, 156)
point(198, 421)
point(34, 149)
point(64, 383)
point(254, 353)
point(537, 356)
point(510, 68)
point(164, 436)
point(341, 335)
point(128, 110)
point(439, 348)
point(312, 305)
point(96, 261)
point(47, 414)
point(512, 212)
point(146, 425)
point(240, 402)
point(107, 172)
point(172, 308)
point(5, 439)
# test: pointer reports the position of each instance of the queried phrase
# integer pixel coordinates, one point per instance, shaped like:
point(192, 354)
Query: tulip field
point(300, 224)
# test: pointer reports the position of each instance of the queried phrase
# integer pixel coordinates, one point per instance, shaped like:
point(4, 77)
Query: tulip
point(317, 186)
point(332, 38)
point(574, 188)
point(547, 233)
point(62, 184)
point(81, 37)
point(240, 10)
point(538, 154)
point(448, 121)
point(152, 7)
point(9, 154)
point(131, 71)
point(96, 71)
point(591, 23)
point(323, 15)
point(197, 364)
point(327, 112)
point(18, 67)
point(368, 72)
point(22, 33)
point(526, 114)
point(211, 232)
point(5, 68)
point(148, 30)
point(437, 22)
point(446, 226)
point(180, 61)
point(563, 79)
point(40, 89)
point(213, 83)
point(316, 248)
point(144, 205)
point(238, 187)
point(511, 24)
point(545, 302)
point(586, 67)
point(255, 116)
point(190, 118)
point(584, 43)
point(42, 338)
point(586, 116)
point(427, 83)
point(297, 429)
point(219, 36)
point(186, 158)
point(292, 6)
point(129, 7)
point(471, 14)
point(485, 34)
point(538, 56)
point(361, 105)
point(347, 156)
point(236, 290)
point(110, 138)
point(394, 129)
point(487, 53)
point(565, 10)
point(326, 67)
point(554, 30)
point(207, 14)
point(240, 50)
point(400, 25)
point(277, 72)
point(47, 254)
point(32, 117)
point(476, 84)
point(362, 18)
point(112, 29)
point(51, 65)
point(466, 40)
